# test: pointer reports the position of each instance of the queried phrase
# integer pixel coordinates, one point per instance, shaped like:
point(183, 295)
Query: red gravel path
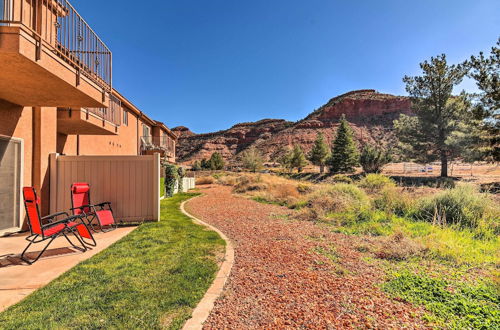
point(282, 279)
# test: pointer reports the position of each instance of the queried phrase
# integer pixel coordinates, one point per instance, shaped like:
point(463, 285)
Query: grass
point(447, 244)
point(455, 306)
point(150, 279)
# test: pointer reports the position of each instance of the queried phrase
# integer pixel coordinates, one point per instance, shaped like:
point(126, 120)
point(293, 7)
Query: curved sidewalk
point(206, 304)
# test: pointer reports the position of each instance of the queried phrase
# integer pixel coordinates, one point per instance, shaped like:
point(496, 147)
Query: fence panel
point(130, 183)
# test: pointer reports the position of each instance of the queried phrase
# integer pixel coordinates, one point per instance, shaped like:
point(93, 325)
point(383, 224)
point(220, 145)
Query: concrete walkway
point(17, 279)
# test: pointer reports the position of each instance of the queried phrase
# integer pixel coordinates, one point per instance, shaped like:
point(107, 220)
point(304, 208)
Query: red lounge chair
point(41, 232)
point(80, 204)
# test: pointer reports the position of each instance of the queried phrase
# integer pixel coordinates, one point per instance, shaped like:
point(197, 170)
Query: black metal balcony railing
point(112, 114)
point(57, 25)
point(164, 143)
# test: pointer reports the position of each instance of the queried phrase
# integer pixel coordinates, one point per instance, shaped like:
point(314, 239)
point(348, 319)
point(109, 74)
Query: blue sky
point(208, 64)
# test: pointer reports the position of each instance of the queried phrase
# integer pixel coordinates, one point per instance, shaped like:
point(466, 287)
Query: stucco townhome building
point(56, 96)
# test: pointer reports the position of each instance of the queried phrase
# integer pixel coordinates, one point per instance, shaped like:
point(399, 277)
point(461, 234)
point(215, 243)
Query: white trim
point(21, 184)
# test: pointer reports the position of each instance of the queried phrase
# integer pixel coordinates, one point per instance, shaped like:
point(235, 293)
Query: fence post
point(156, 186)
point(53, 182)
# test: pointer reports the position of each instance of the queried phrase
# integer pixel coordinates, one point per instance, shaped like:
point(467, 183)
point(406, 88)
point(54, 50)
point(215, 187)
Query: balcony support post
point(78, 77)
point(38, 48)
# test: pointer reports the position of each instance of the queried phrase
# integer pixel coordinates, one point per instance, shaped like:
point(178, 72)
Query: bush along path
point(291, 273)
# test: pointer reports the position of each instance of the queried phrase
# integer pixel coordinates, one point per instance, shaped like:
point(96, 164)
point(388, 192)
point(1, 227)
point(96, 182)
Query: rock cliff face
point(370, 114)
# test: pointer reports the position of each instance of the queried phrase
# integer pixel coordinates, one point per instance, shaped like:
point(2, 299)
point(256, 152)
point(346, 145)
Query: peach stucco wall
point(126, 142)
point(17, 121)
point(37, 128)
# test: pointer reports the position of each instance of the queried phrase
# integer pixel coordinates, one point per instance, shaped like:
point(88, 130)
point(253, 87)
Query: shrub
point(338, 198)
point(373, 159)
point(171, 179)
point(284, 191)
point(394, 201)
point(304, 188)
point(227, 180)
point(463, 206)
point(341, 178)
point(205, 180)
point(246, 183)
point(181, 173)
point(375, 182)
point(196, 166)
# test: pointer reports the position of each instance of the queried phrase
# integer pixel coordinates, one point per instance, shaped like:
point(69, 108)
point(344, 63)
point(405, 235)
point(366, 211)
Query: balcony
point(91, 121)
point(50, 57)
point(164, 145)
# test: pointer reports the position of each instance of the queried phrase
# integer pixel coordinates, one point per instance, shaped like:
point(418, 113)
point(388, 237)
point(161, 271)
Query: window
point(11, 173)
point(125, 117)
point(145, 130)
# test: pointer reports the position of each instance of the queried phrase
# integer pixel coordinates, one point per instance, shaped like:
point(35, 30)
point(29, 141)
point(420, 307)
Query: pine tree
point(298, 159)
point(486, 72)
point(345, 154)
point(319, 153)
point(284, 158)
point(216, 162)
point(429, 135)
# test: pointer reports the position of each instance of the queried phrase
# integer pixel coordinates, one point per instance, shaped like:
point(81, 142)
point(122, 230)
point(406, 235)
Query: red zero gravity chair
point(41, 232)
point(81, 205)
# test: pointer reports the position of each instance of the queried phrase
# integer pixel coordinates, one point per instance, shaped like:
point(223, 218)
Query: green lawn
point(150, 279)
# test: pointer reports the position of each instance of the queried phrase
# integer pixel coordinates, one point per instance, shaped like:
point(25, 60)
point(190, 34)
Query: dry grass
point(205, 180)
point(268, 188)
point(328, 200)
point(398, 247)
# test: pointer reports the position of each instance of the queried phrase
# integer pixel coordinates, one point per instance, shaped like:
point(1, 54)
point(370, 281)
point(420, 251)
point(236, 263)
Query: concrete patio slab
point(18, 279)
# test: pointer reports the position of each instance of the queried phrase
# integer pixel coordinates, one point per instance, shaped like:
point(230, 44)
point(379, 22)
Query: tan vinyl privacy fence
point(130, 183)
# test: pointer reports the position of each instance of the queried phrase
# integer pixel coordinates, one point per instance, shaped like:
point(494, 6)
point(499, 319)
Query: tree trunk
point(322, 169)
point(444, 164)
point(444, 156)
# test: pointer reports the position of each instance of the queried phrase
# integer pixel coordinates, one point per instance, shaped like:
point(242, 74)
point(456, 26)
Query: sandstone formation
point(370, 113)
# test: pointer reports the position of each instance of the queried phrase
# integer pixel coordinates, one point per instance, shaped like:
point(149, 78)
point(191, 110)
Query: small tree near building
point(252, 159)
point(319, 153)
point(298, 158)
point(216, 162)
point(345, 154)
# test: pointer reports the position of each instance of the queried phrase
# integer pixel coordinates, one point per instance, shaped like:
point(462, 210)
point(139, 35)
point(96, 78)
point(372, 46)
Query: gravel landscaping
point(291, 273)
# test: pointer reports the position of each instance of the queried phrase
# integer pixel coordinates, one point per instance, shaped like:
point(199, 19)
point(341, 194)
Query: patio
point(20, 279)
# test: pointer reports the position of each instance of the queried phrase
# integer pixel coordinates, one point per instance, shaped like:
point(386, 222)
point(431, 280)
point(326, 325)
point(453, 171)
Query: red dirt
point(279, 280)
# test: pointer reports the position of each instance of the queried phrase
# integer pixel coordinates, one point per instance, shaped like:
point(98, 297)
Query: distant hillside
point(370, 113)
